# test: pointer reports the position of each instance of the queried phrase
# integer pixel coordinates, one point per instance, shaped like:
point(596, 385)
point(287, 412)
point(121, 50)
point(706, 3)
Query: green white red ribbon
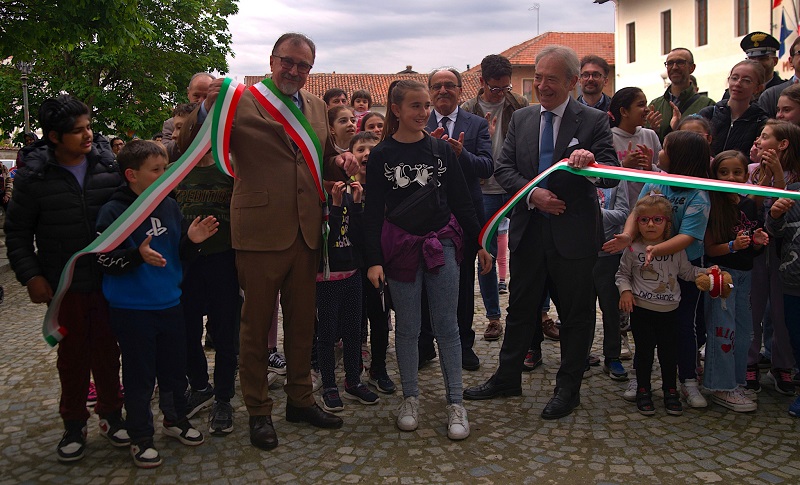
point(222, 117)
point(125, 224)
point(621, 173)
point(215, 136)
point(285, 112)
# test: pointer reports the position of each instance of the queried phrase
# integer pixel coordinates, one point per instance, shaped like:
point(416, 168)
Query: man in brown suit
point(276, 220)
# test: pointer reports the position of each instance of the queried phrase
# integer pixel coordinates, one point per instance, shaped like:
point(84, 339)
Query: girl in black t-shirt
point(426, 253)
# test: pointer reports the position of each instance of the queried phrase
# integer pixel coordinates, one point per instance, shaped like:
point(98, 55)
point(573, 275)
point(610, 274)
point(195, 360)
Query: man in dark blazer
point(276, 221)
point(468, 135)
point(556, 233)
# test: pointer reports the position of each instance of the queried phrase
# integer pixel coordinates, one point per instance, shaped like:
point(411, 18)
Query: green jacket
point(688, 103)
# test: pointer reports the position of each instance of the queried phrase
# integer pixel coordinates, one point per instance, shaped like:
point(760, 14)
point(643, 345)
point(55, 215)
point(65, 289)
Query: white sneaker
point(749, 393)
point(316, 381)
point(734, 400)
point(408, 414)
point(630, 393)
point(690, 391)
point(625, 353)
point(457, 423)
point(272, 377)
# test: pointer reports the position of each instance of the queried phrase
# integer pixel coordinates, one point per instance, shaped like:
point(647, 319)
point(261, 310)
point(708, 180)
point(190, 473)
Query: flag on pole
point(776, 3)
point(785, 33)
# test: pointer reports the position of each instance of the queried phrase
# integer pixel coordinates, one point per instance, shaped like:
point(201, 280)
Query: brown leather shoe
point(550, 330)
point(493, 331)
point(262, 434)
point(314, 415)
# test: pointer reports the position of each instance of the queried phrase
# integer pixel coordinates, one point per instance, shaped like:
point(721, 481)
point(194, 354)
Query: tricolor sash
point(282, 108)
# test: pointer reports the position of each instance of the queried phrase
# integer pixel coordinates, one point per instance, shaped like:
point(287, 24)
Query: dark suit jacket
point(476, 157)
point(578, 232)
point(274, 195)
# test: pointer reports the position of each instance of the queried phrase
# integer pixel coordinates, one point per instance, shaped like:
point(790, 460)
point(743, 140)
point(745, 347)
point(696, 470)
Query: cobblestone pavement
point(604, 441)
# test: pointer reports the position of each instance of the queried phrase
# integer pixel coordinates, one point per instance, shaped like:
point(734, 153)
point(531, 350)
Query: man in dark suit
point(276, 221)
point(556, 233)
point(468, 135)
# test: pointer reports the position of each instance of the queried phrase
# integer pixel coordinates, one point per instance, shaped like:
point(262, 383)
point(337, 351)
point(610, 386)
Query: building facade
point(712, 29)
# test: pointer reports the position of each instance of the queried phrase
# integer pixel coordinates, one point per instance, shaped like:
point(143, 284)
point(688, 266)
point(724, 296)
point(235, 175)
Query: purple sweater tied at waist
point(403, 252)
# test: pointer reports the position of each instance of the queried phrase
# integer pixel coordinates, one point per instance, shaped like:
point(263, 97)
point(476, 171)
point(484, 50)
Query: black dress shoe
point(314, 415)
point(561, 404)
point(491, 389)
point(262, 434)
point(469, 361)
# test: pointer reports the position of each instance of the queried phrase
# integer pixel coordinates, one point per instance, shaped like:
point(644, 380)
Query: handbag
point(416, 211)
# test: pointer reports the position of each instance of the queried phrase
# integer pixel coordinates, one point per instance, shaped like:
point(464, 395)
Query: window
point(742, 17)
point(666, 32)
point(527, 89)
point(631, 30)
point(702, 22)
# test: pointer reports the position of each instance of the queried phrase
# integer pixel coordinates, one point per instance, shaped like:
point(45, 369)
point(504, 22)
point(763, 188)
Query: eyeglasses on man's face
point(676, 62)
point(592, 75)
point(288, 63)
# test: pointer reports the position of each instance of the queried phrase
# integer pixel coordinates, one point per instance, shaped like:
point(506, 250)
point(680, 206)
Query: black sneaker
point(183, 432)
point(145, 455)
point(331, 401)
point(361, 393)
point(196, 401)
point(220, 419)
point(277, 363)
point(383, 383)
point(644, 402)
point(73, 443)
point(672, 402)
point(112, 427)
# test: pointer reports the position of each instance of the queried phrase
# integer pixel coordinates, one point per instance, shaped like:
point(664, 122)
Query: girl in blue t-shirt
point(683, 153)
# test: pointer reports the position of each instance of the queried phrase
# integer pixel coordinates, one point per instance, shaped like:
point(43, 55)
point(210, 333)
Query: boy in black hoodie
point(65, 180)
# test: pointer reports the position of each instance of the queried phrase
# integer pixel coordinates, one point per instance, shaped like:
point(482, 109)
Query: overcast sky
point(355, 36)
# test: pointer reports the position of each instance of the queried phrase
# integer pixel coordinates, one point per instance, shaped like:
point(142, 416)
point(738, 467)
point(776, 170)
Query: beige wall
point(713, 60)
point(522, 73)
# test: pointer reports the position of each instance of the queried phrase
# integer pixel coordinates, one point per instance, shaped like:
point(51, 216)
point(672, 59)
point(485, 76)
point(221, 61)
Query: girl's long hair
point(688, 154)
point(724, 214)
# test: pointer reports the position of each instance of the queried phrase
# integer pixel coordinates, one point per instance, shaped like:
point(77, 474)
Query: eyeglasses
point(499, 89)
point(743, 81)
point(592, 75)
point(288, 63)
point(676, 62)
point(657, 220)
point(447, 86)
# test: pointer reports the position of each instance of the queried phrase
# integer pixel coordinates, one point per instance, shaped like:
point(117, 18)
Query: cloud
point(368, 37)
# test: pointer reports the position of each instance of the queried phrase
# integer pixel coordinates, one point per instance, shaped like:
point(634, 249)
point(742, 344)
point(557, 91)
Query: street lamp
point(536, 7)
point(25, 68)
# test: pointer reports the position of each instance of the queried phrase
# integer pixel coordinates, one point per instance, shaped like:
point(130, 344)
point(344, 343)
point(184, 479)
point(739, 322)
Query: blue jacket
point(130, 283)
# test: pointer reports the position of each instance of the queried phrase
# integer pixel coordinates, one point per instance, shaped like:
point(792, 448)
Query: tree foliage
point(131, 61)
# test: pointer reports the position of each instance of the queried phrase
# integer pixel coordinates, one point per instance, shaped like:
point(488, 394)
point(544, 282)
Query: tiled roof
point(584, 43)
point(376, 84)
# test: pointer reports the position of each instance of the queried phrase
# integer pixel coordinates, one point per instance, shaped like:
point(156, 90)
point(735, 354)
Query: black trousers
point(535, 262)
point(653, 329)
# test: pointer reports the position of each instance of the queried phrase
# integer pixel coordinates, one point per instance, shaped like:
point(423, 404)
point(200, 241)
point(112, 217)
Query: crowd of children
point(148, 297)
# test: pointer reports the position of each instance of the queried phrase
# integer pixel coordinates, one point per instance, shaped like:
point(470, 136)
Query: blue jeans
point(442, 291)
point(488, 282)
point(690, 311)
point(729, 332)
